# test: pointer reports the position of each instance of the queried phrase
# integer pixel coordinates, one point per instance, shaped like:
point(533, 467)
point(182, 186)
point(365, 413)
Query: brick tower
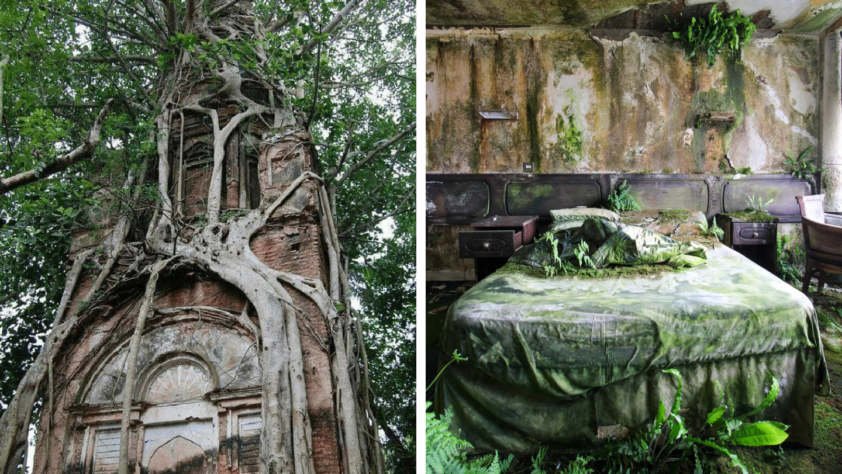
point(197, 398)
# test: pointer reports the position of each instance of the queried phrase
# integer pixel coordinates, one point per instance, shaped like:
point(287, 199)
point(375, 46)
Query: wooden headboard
point(463, 198)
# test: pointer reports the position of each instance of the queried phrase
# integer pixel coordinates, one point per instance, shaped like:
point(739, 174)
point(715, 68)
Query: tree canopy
point(348, 68)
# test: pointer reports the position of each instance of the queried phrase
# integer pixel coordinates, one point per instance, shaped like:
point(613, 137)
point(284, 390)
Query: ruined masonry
point(197, 399)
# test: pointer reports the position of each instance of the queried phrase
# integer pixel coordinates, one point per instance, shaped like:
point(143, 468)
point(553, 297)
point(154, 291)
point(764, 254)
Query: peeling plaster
point(748, 147)
point(801, 94)
point(631, 102)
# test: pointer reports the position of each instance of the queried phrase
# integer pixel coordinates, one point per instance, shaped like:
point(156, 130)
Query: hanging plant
point(713, 34)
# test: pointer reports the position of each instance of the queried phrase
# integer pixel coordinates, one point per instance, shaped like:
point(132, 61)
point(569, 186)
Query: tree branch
point(380, 147)
point(81, 152)
point(115, 59)
point(315, 86)
point(334, 23)
point(276, 25)
point(390, 433)
point(124, 64)
point(3, 64)
point(223, 7)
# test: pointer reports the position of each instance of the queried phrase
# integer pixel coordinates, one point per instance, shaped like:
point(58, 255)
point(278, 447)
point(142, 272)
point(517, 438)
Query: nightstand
point(756, 240)
point(494, 240)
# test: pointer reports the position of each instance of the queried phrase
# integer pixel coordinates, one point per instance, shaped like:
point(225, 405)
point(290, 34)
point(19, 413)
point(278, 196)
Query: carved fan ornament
point(179, 383)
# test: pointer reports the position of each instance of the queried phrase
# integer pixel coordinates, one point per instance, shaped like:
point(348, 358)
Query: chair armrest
point(833, 220)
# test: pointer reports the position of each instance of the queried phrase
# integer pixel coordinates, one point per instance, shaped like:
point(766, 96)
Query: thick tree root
point(134, 347)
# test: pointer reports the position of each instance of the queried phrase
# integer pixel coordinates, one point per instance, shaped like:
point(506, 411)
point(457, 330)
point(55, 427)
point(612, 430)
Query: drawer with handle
point(489, 243)
point(754, 233)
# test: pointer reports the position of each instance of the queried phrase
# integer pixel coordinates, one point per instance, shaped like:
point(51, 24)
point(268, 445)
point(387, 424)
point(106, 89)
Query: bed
point(560, 361)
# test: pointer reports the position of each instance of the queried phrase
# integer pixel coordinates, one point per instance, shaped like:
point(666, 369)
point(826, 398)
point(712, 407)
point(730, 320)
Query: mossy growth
point(751, 215)
point(569, 142)
point(614, 271)
point(671, 216)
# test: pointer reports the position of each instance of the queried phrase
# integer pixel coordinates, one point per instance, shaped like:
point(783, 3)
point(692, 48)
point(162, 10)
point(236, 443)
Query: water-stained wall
point(587, 104)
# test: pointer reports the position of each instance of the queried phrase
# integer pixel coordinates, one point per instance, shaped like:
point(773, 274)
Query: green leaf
point(770, 398)
point(716, 414)
point(762, 433)
point(677, 430)
point(662, 414)
point(676, 404)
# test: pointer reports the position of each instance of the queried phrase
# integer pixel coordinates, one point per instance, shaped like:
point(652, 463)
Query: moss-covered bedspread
point(551, 360)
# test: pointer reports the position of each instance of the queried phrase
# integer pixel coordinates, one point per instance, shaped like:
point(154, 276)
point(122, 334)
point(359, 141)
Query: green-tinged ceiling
point(806, 16)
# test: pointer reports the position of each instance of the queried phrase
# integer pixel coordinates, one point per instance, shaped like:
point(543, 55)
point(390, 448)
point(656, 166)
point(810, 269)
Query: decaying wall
point(588, 104)
point(198, 399)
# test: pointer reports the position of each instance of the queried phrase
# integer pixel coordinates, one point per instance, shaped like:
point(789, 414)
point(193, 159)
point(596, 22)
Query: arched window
point(177, 380)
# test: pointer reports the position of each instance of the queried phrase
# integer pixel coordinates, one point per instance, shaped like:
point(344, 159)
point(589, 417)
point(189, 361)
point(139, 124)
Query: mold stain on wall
point(587, 104)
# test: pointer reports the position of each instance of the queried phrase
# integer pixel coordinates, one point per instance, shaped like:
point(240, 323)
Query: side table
point(494, 240)
point(756, 240)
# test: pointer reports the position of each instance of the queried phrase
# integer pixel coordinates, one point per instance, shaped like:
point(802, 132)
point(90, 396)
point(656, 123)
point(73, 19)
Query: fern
point(446, 452)
point(757, 206)
point(557, 263)
point(538, 460)
point(713, 34)
point(621, 200)
point(578, 466)
point(581, 252)
point(802, 167)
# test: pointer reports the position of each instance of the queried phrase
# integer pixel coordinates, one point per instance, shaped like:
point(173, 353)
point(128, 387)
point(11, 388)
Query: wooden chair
point(822, 240)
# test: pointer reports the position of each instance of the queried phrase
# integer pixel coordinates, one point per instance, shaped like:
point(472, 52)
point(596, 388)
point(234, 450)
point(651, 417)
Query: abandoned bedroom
point(634, 236)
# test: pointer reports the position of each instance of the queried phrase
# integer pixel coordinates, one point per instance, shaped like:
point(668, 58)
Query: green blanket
point(553, 359)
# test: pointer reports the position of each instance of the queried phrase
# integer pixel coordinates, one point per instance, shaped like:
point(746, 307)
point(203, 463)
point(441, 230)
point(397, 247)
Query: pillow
point(582, 213)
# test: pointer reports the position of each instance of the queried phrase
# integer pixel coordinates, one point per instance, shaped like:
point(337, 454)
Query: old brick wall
point(292, 242)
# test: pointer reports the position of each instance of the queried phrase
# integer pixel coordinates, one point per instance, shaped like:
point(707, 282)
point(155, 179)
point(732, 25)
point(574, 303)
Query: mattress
point(551, 361)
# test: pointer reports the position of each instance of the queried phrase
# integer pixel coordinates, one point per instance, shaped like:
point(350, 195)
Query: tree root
point(134, 347)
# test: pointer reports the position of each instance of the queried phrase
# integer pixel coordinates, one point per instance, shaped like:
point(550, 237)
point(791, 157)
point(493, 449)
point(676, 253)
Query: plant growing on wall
point(801, 166)
point(713, 34)
point(621, 200)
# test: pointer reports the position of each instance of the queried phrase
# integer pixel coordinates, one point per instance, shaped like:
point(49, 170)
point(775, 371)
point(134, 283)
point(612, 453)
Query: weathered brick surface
point(291, 243)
